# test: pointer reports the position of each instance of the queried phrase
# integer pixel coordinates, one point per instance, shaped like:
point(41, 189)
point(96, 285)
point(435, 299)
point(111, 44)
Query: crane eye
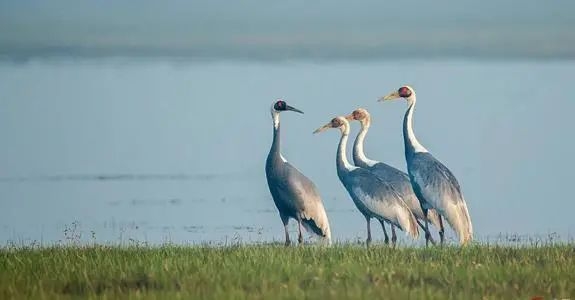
point(404, 92)
point(280, 105)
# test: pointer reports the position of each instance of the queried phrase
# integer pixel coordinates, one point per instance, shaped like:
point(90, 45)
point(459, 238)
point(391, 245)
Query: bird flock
point(428, 193)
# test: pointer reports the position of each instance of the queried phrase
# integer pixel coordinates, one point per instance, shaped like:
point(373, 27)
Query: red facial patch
point(404, 92)
point(280, 105)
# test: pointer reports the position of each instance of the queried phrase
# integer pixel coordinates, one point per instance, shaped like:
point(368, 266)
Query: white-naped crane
point(433, 183)
point(398, 179)
point(294, 195)
point(372, 197)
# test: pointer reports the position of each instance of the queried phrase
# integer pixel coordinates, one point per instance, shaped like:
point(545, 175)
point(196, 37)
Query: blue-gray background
point(148, 121)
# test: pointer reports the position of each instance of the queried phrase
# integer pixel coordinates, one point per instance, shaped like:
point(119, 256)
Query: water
point(126, 150)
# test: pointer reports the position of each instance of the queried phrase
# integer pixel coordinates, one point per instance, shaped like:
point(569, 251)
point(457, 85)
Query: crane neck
point(276, 143)
point(412, 145)
point(343, 165)
point(359, 157)
point(276, 118)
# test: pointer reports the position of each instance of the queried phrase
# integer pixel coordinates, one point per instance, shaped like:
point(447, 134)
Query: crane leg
point(368, 241)
point(393, 235)
point(386, 240)
point(426, 233)
point(441, 231)
point(300, 236)
point(285, 221)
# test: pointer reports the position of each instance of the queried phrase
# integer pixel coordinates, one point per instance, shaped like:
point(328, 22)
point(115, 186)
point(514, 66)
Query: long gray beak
point(390, 96)
point(323, 128)
point(293, 109)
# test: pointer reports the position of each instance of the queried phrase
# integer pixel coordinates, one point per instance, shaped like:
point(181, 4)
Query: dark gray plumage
point(432, 182)
point(398, 179)
point(294, 195)
point(373, 197)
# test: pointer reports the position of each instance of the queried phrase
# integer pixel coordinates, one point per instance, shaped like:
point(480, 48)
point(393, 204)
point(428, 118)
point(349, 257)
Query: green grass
point(275, 272)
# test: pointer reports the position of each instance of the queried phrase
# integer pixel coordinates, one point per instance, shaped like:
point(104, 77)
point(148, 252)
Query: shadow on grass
point(142, 282)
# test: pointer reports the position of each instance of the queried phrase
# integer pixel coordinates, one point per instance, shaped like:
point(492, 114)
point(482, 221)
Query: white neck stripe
point(417, 147)
point(358, 146)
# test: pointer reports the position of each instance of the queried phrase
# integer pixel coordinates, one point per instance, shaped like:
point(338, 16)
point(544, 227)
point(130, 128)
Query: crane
point(294, 195)
point(372, 197)
point(398, 179)
point(433, 183)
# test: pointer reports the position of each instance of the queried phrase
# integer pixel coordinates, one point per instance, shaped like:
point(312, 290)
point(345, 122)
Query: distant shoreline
point(55, 56)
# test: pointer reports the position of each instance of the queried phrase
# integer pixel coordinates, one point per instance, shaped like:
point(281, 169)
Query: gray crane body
point(396, 178)
point(373, 197)
point(294, 195)
point(434, 185)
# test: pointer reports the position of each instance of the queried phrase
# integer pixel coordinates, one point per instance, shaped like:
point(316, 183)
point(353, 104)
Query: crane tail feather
point(458, 218)
point(413, 228)
point(467, 235)
point(318, 226)
point(433, 217)
point(408, 223)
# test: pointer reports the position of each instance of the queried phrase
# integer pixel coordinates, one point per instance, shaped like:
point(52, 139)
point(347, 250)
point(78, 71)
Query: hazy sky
point(287, 29)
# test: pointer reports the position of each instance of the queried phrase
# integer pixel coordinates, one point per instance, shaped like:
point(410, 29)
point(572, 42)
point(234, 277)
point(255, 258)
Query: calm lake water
point(155, 151)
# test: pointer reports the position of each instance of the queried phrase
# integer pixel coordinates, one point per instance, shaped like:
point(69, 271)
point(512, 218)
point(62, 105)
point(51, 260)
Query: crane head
point(360, 114)
point(281, 105)
point(405, 92)
point(337, 122)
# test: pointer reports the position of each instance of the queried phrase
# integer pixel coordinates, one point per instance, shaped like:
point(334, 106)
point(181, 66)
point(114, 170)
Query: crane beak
point(323, 128)
point(350, 117)
point(391, 96)
point(293, 109)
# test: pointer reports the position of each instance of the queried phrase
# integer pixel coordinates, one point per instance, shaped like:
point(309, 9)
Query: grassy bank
point(275, 272)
